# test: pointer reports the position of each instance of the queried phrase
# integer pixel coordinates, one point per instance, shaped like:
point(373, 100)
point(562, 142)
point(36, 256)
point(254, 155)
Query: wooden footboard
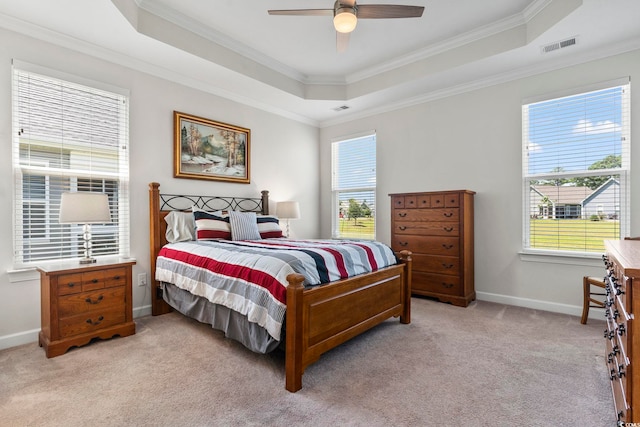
point(323, 317)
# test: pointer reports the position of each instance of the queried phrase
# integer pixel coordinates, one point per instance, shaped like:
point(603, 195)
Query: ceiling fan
point(346, 13)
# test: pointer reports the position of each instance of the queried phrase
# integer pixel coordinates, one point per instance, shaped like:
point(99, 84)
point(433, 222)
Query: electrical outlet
point(142, 279)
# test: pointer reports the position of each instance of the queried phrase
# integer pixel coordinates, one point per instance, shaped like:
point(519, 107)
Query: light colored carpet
point(484, 365)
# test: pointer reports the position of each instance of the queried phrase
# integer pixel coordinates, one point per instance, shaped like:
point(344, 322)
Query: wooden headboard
point(159, 207)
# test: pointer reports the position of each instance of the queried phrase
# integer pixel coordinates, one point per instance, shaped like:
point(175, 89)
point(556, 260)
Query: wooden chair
point(592, 297)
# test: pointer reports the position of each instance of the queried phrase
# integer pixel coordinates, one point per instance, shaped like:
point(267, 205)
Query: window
point(66, 137)
point(575, 170)
point(354, 188)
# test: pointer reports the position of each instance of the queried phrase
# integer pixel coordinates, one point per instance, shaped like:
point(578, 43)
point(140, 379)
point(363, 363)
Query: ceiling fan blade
point(342, 41)
point(303, 12)
point(384, 11)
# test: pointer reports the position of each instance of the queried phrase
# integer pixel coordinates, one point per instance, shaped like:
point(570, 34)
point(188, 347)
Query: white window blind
point(354, 187)
point(67, 137)
point(575, 170)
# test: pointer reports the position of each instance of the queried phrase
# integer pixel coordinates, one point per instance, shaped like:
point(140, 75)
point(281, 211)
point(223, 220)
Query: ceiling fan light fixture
point(345, 20)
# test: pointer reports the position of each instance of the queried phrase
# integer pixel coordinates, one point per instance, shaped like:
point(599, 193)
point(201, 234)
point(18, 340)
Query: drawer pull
point(402, 227)
point(447, 246)
point(448, 214)
point(447, 266)
point(447, 285)
point(91, 322)
point(116, 277)
point(94, 302)
point(448, 229)
point(402, 214)
point(94, 281)
point(71, 285)
point(403, 243)
point(621, 329)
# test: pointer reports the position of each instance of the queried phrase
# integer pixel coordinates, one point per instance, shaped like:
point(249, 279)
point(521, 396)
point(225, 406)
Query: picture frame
point(207, 149)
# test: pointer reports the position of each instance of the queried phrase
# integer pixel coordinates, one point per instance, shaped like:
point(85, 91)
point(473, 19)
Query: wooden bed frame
point(318, 318)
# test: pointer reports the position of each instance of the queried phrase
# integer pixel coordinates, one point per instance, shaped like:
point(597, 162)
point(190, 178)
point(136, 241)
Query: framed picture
point(205, 149)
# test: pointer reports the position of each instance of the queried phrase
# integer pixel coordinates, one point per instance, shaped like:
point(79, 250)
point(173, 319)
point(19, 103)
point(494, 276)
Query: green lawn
point(569, 234)
point(362, 229)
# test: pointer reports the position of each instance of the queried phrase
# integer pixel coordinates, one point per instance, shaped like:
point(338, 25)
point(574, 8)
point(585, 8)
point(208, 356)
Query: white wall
point(284, 160)
point(473, 141)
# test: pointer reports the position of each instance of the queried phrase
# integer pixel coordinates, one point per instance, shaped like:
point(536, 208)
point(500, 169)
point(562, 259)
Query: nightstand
point(79, 303)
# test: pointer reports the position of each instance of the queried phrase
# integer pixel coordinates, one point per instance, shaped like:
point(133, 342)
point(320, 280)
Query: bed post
point(405, 258)
point(294, 330)
point(158, 305)
point(265, 202)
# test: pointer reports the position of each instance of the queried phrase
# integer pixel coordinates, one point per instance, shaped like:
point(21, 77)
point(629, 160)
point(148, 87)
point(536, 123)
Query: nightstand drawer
point(91, 280)
point(89, 322)
point(90, 301)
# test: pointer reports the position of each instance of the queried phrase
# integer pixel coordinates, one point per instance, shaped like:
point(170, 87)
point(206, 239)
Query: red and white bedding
point(249, 276)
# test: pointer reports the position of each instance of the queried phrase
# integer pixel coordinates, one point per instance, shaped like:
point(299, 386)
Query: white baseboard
point(28, 337)
point(554, 307)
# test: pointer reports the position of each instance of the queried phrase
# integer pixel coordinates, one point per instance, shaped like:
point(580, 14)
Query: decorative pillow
point(269, 226)
point(244, 226)
point(211, 227)
point(180, 226)
point(216, 213)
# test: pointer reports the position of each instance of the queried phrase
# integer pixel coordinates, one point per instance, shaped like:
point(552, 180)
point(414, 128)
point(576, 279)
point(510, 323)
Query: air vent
point(341, 108)
point(559, 45)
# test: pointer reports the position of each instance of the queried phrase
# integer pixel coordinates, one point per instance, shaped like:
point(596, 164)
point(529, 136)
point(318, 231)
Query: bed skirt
point(233, 324)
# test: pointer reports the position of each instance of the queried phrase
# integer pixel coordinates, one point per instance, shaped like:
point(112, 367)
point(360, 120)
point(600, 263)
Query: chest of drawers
point(437, 227)
point(81, 303)
point(622, 342)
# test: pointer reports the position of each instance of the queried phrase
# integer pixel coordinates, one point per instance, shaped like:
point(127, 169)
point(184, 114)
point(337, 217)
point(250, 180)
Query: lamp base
point(87, 261)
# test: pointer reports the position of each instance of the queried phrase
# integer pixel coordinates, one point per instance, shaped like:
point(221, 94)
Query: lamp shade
point(288, 210)
point(345, 20)
point(84, 208)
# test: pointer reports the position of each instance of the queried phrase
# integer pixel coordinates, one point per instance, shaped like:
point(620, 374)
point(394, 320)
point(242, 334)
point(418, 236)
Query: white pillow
point(180, 226)
point(244, 226)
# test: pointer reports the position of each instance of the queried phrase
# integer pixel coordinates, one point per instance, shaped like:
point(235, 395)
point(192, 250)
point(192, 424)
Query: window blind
point(66, 137)
point(575, 170)
point(354, 187)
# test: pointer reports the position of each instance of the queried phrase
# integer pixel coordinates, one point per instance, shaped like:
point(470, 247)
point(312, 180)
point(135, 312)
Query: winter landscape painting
point(205, 149)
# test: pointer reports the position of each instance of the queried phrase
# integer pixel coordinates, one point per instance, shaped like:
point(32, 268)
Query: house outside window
point(67, 137)
point(576, 170)
point(353, 163)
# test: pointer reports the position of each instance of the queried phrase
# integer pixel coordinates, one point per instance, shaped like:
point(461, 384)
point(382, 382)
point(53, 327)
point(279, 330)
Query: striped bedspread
point(249, 276)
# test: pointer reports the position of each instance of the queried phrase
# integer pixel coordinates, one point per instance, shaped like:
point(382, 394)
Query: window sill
point(23, 275)
point(568, 258)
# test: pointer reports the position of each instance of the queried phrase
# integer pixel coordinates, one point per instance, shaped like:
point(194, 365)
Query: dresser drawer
point(448, 246)
point(85, 302)
point(92, 321)
point(436, 264)
point(410, 202)
point(435, 228)
point(436, 283)
point(448, 200)
point(91, 280)
point(427, 215)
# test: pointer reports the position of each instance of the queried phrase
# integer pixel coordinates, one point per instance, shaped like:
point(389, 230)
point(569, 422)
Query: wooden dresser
point(80, 303)
point(437, 227)
point(622, 354)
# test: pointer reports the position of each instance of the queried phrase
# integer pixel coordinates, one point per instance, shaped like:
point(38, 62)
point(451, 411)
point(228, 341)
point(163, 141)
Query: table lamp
point(85, 208)
point(288, 210)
